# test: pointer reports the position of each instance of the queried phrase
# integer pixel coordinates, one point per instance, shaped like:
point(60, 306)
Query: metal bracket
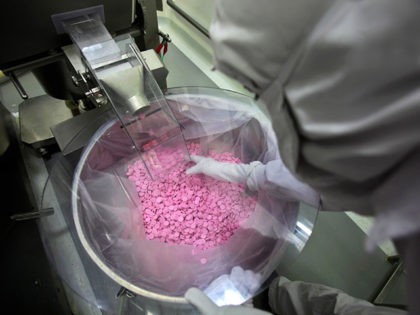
point(125, 292)
point(32, 215)
point(123, 295)
point(381, 293)
point(18, 86)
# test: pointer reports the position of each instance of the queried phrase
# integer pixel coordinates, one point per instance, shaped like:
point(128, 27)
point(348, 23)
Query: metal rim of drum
point(112, 274)
point(86, 245)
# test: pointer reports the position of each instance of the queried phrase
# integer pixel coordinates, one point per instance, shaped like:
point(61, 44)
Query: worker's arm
point(273, 177)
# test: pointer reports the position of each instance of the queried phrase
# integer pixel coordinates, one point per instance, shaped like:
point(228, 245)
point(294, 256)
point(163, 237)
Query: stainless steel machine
point(92, 80)
point(58, 42)
point(43, 46)
point(96, 62)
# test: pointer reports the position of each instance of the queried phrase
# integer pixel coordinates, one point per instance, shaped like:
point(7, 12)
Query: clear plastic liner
point(108, 212)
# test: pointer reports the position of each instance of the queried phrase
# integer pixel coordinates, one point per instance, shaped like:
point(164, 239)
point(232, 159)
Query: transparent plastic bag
point(108, 212)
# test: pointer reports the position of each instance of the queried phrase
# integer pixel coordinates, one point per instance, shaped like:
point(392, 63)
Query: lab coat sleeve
point(252, 40)
point(354, 100)
point(346, 113)
point(303, 298)
point(346, 117)
point(275, 179)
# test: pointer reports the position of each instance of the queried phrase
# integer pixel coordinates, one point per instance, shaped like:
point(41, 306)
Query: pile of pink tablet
point(190, 209)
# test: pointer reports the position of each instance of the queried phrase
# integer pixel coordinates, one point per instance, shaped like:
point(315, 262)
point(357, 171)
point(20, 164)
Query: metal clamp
point(92, 92)
point(123, 295)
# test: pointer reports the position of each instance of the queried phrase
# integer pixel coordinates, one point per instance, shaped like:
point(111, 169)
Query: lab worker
point(341, 81)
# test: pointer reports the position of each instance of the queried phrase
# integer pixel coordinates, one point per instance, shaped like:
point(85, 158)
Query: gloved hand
point(206, 307)
point(273, 177)
point(229, 172)
point(234, 288)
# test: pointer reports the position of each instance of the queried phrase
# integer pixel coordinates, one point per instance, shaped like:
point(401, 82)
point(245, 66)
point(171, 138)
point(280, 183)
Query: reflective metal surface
point(4, 136)
point(37, 115)
point(66, 131)
point(290, 247)
point(334, 255)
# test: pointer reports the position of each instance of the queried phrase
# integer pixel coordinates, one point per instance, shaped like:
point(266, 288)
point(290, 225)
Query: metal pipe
point(32, 215)
point(18, 86)
point(188, 18)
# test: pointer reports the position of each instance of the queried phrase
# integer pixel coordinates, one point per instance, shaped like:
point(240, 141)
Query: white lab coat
point(341, 80)
point(302, 298)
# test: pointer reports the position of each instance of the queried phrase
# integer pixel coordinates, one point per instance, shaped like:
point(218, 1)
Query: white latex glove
point(229, 172)
point(206, 307)
point(235, 288)
point(273, 177)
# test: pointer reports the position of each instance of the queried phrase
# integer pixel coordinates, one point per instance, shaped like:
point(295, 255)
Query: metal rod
point(35, 63)
point(396, 270)
point(188, 18)
point(18, 86)
point(32, 215)
point(123, 295)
